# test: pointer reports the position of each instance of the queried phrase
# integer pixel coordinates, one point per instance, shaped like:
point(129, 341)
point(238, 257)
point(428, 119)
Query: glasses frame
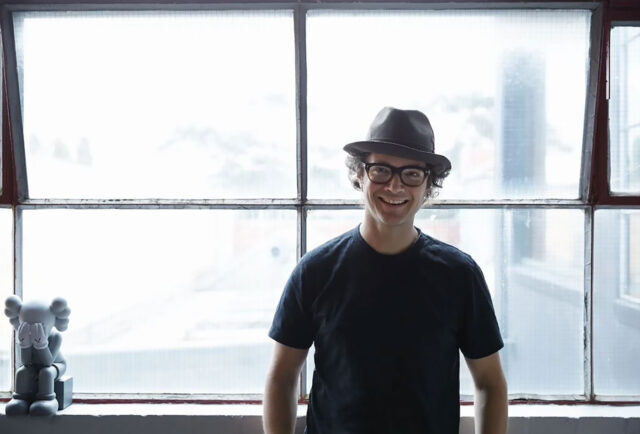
point(397, 171)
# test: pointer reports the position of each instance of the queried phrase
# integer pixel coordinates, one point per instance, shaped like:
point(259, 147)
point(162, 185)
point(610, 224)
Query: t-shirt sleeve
point(292, 322)
point(480, 334)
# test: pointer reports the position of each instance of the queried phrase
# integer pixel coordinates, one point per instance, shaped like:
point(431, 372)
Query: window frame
point(593, 187)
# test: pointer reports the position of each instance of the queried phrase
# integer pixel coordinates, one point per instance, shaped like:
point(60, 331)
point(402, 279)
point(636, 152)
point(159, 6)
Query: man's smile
point(396, 202)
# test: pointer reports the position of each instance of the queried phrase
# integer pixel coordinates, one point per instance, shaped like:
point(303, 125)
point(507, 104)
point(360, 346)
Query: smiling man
point(388, 308)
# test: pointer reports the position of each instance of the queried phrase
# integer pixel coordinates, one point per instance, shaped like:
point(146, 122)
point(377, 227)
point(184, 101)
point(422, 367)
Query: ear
point(61, 311)
point(359, 178)
point(13, 304)
point(428, 191)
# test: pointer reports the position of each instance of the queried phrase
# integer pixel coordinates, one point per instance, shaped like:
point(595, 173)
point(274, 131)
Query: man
point(388, 308)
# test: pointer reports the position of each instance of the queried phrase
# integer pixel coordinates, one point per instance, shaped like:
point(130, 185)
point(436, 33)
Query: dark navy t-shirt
point(387, 331)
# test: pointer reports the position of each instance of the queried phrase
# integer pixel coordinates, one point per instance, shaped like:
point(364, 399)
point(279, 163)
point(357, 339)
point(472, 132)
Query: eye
point(413, 173)
point(379, 170)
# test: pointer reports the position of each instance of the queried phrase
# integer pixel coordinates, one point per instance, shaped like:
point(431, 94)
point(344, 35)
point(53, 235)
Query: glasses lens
point(379, 174)
point(413, 177)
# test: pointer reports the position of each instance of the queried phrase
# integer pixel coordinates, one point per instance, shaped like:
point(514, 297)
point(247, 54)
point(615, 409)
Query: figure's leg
point(25, 385)
point(45, 404)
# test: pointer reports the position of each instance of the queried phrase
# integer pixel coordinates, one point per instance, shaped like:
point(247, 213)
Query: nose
point(395, 184)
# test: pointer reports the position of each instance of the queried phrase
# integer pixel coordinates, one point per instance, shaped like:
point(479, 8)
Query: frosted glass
point(163, 301)
point(533, 262)
point(624, 110)
point(616, 302)
point(170, 104)
point(505, 92)
point(6, 289)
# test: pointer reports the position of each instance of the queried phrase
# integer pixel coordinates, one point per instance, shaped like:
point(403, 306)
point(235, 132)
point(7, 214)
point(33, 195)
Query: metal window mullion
point(17, 281)
point(267, 203)
point(300, 35)
point(302, 247)
point(588, 302)
point(240, 204)
point(588, 136)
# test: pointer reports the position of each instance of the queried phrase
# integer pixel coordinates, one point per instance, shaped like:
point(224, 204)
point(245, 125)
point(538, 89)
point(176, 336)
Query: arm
point(24, 339)
point(490, 395)
point(45, 348)
point(281, 390)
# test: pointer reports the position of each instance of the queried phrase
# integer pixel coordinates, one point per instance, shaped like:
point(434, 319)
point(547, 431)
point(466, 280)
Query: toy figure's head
point(32, 312)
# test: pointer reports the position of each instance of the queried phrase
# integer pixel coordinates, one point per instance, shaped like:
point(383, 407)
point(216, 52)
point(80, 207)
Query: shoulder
point(331, 252)
point(322, 261)
point(447, 256)
point(55, 342)
point(55, 338)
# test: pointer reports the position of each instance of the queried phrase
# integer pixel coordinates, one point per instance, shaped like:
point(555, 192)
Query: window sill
point(240, 410)
point(246, 419)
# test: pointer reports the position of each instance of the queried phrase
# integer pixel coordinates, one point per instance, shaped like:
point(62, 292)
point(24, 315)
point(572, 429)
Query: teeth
point(394, 202)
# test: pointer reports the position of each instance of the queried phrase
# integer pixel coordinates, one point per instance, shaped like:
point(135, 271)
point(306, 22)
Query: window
point(193, 289)
point(173, 165)
point(504, 91)
point(155, 105)
point(625, 110)
point(633, 260)
point(616, 305)
point(6, 289)
point(616, 300)
point(134, 105)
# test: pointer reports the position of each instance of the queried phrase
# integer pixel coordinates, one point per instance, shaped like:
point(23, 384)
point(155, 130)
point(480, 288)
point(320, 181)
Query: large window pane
point(616, 302)
point(162, 300)
point(624, 110)
point(6, 289)
point(158, 104)
point(533, 262)
point(504, 90)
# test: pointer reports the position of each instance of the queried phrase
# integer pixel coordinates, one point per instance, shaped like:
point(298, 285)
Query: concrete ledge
point(246, 419)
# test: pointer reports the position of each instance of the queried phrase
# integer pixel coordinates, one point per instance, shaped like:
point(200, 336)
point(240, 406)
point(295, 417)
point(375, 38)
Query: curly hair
point(355, 164)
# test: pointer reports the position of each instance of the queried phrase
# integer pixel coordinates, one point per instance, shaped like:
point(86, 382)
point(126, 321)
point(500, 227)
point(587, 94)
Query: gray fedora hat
point(402, 133)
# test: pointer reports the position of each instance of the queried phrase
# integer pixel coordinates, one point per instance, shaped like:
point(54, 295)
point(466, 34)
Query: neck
point(388, 240)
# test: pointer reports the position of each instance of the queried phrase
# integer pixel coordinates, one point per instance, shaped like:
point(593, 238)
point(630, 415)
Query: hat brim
point(438, 162)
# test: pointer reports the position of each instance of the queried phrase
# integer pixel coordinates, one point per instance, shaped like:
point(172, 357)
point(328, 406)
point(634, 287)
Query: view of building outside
point(180, 301)
point(616, 303)
point(6, 289)
point(633, 263)
point(133, 110)
point(624, 110)
point(616, 306)
point(173, 301)
point(505, 93)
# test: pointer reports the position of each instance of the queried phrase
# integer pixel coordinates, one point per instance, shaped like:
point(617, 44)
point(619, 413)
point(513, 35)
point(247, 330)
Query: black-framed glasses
point(380, 173)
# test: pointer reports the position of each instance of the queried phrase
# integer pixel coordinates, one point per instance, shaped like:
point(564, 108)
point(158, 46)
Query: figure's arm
point(24, 340)
point(490, 395)
point(281, 390)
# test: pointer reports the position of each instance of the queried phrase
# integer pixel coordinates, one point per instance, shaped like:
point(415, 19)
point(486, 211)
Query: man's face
point(392, 203)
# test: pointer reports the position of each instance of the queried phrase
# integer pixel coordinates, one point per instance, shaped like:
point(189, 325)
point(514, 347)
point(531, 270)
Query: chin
point(391, 220)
